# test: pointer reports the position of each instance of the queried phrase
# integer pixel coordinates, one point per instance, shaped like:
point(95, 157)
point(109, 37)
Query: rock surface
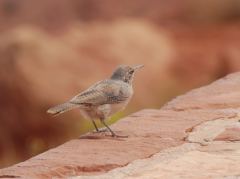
point(34, 63)
point(193, 136)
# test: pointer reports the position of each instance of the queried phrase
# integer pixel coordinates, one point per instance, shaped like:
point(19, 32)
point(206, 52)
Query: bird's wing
point(104, 92)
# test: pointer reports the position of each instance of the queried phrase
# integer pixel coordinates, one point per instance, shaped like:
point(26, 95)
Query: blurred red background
point(52, 50)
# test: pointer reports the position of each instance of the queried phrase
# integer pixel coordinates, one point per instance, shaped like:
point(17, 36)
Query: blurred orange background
point(52, 50)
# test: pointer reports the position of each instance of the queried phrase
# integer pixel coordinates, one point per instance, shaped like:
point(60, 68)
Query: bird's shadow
point(99, 136)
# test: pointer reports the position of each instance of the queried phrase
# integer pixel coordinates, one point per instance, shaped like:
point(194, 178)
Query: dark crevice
point(9, 176)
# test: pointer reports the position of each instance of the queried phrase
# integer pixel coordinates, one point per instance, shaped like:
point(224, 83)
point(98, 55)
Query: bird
point(103, 99)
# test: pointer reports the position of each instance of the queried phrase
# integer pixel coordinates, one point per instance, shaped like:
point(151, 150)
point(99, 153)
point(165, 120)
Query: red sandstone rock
point(149, 131)
point(222, 94)
point(230, 134)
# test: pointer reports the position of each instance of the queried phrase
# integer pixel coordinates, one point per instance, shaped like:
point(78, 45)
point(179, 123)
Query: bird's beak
point(138, 67)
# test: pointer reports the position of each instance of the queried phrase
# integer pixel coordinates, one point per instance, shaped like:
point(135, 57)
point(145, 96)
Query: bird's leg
point(103, 122)
point(97, 130)
point(113, 134)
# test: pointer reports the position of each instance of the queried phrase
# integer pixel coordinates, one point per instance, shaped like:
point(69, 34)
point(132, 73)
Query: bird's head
point(125, 73)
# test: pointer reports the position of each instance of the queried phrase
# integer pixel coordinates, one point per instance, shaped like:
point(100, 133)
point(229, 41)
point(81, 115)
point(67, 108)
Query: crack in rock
point(206, 132)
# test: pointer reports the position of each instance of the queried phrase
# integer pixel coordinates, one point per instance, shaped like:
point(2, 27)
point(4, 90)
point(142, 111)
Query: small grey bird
point(104, 98)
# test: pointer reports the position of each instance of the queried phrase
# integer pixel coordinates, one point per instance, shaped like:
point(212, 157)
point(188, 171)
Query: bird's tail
point(59, 109)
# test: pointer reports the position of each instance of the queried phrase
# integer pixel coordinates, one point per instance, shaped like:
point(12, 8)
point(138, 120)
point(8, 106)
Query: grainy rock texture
point(194, 136)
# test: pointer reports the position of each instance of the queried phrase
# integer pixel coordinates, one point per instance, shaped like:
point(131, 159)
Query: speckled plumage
point(104, 98)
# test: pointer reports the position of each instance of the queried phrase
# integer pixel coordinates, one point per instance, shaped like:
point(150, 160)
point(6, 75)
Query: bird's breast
point(118, 107)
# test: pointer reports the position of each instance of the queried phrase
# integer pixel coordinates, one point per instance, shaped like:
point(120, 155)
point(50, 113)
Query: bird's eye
point(131, 72)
